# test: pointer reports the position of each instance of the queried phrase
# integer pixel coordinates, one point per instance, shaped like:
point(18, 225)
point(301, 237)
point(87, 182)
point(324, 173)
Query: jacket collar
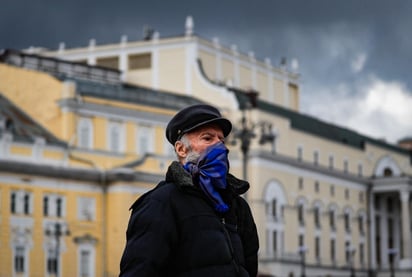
point(179, 176)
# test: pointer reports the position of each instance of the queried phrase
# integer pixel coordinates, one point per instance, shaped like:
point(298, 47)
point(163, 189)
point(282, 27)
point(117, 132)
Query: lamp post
point(351, 253)
point(57, 230)
point(302, 252)
point(392, 252)
point(246, 133)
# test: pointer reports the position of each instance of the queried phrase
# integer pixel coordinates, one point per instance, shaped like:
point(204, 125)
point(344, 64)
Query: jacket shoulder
point(160, 192)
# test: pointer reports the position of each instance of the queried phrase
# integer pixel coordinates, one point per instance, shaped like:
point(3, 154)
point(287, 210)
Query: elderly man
point(194, 223)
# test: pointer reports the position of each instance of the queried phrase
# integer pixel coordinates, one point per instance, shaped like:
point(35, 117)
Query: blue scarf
point(210, 171)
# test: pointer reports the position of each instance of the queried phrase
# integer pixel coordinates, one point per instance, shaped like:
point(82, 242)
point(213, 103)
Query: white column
point(384, 232)
point(406, 261)
point(372, 232)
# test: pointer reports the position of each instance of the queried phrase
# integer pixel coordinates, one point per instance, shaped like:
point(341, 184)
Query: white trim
point(297, 171)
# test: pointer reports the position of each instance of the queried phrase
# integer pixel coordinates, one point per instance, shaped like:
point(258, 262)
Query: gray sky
point(354, 55)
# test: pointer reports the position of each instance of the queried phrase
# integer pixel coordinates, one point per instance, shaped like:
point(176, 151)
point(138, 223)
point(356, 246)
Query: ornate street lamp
point(351, 253)
point(56, 230)
point(247, 131)
point(392, 252)
point(302, 252)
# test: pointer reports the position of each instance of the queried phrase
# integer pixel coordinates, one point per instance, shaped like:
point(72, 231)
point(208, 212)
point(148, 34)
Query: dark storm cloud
point(340, 45)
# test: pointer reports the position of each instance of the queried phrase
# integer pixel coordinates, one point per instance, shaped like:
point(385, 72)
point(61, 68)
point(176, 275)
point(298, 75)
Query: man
point(193, 224)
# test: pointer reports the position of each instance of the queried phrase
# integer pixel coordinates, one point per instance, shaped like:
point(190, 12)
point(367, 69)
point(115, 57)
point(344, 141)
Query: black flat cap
point(193, 117)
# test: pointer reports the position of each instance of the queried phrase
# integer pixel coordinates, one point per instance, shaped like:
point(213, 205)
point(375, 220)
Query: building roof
point(314, 126)
point(23, 128)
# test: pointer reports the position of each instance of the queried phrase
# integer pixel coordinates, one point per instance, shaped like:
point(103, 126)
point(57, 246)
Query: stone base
point(405, 264)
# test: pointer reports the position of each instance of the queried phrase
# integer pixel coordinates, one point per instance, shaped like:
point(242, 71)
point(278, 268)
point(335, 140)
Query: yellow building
point(327, 200)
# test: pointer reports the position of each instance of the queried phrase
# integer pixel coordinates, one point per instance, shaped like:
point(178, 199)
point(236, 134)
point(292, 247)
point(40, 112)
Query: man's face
point(200, 139)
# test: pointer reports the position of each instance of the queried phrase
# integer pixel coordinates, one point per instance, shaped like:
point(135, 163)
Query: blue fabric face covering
point(211, 170)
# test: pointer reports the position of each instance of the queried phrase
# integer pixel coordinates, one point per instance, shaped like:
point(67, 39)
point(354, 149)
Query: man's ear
point(181, 149)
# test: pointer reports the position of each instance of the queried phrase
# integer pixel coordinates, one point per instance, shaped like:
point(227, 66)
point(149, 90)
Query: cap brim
point(223, 123)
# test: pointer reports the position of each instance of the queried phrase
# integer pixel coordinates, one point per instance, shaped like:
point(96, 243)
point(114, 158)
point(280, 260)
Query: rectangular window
point(361, 225)
point(301, 218)
point(109, 62)
point(144, 139)
point(140, 61)
point(332, 190)
point(59, 207)
point(316, 186)
point(45, 206)
point(13, 202)
point(85, 263)
point(19, 259)
point(347, 194)
point(86, 208)
point(26, 204)
point(274, 208)
point(317, 217)
point(300, 183)
point(333, 250)
point(317, 248)
point(331, 162)
point(360, 170)
point(116, 137)
point(361, 253)
point(347, 222)
point(85, 133)
point(275, 241)
point(300, 153)
point(316, 158)
point(332, 220)
point(347, 252)
point(345, 166)
point(52, 262)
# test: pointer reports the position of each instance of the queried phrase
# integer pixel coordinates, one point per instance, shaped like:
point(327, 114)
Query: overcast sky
point(354, 56)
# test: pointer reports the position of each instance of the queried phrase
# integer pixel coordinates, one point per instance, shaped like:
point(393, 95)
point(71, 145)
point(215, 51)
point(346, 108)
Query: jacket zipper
point(232, 251)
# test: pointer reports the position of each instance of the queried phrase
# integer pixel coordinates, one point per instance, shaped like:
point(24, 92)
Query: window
point(45, 206)
point(116, 136)
point(52, 262)
point(21, 202)
point(361, 197)
point(317, 248)
point(316, 158)
point(53, 205)
point(274, 208)
point(316, 214)
point(300, 153)
point(300, 183)
point(332, 190)
point(316, 186)
point(85, 133)
point(332, 222)
point(275, 241)
point(145, 139)
point(301, 240)
point(13, 204)
point(59, 208)
point(26, 204)
point(86, 208)
point(361, 225)
point(346, 218)
point(85, 262)
point(140, 61)
point(109, 62)
point(19, 259)
point(347, 252)
point(301, 218)
point(331, 162)
point(345, 166)
point(333, 250)
point(361, 253)
point(347, 194)
point(360, 170)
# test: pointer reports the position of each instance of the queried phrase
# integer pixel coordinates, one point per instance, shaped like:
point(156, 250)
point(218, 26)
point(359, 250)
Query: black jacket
point(174, 231)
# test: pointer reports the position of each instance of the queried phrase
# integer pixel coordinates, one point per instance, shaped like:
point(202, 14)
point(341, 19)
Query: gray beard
point(192, 157)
